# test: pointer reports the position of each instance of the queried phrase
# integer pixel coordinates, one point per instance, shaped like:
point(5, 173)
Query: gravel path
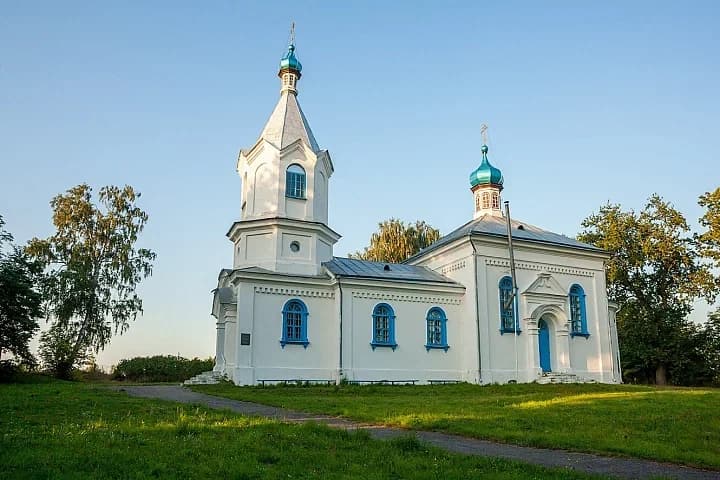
point(584, 462)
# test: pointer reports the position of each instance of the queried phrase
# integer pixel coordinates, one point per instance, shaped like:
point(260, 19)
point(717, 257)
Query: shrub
point(8, 371)
point(17, 370)
point(161, 368)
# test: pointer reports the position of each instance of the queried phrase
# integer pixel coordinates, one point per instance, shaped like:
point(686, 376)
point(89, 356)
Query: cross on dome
point(290, 66)
point(486, 183)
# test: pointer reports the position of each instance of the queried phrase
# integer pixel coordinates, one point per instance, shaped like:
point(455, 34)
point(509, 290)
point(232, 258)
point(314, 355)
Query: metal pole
point(513, 297)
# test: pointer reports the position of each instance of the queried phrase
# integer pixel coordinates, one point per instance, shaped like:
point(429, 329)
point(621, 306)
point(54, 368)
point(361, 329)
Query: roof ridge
point(532, 234)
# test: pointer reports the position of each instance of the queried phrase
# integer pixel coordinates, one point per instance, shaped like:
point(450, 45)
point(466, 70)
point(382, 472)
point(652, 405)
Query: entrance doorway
point(544, 345)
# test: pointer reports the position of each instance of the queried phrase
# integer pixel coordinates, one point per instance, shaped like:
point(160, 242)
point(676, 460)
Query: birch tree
point(93, 267)
point(395, 241)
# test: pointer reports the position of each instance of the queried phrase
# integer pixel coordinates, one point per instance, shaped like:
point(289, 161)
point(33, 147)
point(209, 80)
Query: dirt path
point(584, 462)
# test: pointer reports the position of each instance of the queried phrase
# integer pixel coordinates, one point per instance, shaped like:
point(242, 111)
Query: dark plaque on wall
point(244, 339)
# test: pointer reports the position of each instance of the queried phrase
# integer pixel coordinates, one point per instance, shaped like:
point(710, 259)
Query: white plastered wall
point(260, 306)
point(410, 360)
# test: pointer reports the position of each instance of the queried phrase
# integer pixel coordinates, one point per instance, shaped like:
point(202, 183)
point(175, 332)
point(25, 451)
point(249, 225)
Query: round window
point(295, 246)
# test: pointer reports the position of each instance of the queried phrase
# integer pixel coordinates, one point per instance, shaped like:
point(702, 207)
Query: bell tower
point(285, 178)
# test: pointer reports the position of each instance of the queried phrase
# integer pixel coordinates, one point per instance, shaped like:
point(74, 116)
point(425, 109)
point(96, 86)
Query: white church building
point(288, 309)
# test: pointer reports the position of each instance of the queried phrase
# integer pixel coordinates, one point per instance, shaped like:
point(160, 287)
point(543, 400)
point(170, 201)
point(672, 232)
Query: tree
point(58, 350)
point(710, 333)
point(709, 240)
point(20, 302)
point(655, 273)
point(92, 270)
point(395, 241)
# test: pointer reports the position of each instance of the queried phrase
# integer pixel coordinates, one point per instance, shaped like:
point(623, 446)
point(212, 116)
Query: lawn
point(73, 430)
point(671, 424)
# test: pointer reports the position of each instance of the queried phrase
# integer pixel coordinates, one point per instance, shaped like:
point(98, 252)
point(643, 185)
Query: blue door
point(544, 341)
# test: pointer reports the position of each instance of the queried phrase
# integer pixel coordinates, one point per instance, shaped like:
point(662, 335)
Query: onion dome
point(486, 174)
point(290, 62)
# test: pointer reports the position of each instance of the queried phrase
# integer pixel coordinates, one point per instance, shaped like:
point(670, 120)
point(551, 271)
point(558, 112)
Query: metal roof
point(226, 295)
point(495, 226)
point(350, 267)
point(265, 271)
point(287, 123)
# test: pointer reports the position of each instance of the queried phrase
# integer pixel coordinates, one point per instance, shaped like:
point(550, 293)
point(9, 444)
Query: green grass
point(672, 424)
point(74, 430)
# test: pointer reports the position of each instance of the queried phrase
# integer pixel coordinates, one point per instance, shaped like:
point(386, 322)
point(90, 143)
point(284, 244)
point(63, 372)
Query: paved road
point(585, 462)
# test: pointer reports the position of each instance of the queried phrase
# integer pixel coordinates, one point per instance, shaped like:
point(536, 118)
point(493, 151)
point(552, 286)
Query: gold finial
point(292, 34)
point(483, 132)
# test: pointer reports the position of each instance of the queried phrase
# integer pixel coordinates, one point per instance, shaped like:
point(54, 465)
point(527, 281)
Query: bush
point(161, 368)
point(17, 370)
point(8, 371)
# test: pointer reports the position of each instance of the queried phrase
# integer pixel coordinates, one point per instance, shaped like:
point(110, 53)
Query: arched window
point(578, 315)
point(508, 307)
point(486, 200)
point(295, 181)
point(436, 329)
point(294, 331)
point(383, 326)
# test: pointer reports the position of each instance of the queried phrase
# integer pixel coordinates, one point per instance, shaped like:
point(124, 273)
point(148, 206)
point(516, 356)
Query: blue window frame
point(294, 331)
point(508, 308)
point(295, 181)
point(383, 326)
point(578, 314)
point(436, 329)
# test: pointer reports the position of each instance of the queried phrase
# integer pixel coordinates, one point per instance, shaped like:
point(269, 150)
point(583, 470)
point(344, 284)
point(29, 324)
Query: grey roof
point(495, 226)
point(350, 267)
point(287, 123)
point(265, 271)
point(226, 295)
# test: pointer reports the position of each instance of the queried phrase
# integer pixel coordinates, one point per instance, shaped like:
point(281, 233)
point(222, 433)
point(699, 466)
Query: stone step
point(557, 377)
point(205, 378)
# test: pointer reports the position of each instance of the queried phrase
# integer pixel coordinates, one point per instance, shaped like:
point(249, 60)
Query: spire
point(287, 123)
point(290, 66)
point(486, 183)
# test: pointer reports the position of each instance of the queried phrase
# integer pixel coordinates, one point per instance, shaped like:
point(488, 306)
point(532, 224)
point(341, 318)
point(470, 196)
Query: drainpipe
point(340, 362)
point(477, 308)
point(514, 296)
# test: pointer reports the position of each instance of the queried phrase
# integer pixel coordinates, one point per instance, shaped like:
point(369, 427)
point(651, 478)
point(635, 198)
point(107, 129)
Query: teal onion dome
point(289, 61)
point(486, 174)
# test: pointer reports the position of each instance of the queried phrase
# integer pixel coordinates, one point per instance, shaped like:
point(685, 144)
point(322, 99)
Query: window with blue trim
point(295, 315)
point(295, 181)
point(436, 329)
point(508, 308)
point(383, 326)
point(578, 314)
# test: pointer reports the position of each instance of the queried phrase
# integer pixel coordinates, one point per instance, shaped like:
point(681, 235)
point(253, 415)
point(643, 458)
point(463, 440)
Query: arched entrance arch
point(551, 341)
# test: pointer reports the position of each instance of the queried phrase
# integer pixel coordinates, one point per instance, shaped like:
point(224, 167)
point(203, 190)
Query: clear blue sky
point(586, 102)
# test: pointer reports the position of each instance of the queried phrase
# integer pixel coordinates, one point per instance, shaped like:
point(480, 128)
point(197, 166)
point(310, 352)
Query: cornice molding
point(271, 223)
point(459, 265)
point(496, 262)
point(407, 298)
point(295, 292)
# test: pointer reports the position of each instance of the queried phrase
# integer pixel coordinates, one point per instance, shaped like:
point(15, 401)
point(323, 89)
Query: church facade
point(288, 309)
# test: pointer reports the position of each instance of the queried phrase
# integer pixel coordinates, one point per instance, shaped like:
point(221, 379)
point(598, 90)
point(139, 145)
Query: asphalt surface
point(583, 462)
